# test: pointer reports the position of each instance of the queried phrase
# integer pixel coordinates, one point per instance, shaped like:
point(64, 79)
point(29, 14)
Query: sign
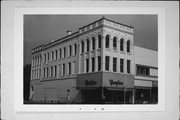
point(90, 83)
point(112, 82)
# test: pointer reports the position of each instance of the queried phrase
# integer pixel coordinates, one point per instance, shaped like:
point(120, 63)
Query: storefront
point(106, 88)
point(146, 92)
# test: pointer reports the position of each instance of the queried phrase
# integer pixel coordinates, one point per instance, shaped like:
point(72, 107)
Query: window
point(93, 43)
point(51, 75)
point(115, 43)
point(47, 56)
point(75, 49)
point(114, 64)
point(64, 52)
point(52, 56)
point(121, 44)
point(70, 50)
point(69, 68)
point(107, 41)
point(99, 63)
point(82, 46)
point(44, 72)
point(93, 64)
point(56, 54)
point(142, 70)
point(87, 45)
point(107, 63)
point(73, 67)
point(128, 66)
point(55, 70)
point(60, 53)
point(47, 72)
point(99, 41)
point(128, 46)
point(44, 59)
point(87, 65)
point(121, 65)
point(63, 70)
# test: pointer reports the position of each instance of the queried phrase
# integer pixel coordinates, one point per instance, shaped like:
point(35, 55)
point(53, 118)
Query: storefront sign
point(112, 82)
point(90, 83)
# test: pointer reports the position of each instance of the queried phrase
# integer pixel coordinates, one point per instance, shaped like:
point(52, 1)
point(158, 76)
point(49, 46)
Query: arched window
point(121, 44)
point(82, 46)
point(93, 43)
point(99, 41)
point(87, 45)
point(114, 42)
point(107, 41)
point(128, 46)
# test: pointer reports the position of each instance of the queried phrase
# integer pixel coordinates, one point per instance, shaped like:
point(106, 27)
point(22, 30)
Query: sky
point(41, 29)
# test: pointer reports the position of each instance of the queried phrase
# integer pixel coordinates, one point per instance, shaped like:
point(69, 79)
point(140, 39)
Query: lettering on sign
point(90, 83)
point(112, 82)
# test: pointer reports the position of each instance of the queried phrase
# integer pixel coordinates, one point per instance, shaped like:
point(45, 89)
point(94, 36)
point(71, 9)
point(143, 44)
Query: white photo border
point(19, 106)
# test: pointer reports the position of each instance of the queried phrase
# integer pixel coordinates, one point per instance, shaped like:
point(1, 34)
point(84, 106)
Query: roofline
point(107, 20)
point(61, 38)
point(45, 45)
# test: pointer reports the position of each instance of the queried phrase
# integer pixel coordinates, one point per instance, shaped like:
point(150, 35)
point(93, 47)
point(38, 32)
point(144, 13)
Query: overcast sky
point(41, 29)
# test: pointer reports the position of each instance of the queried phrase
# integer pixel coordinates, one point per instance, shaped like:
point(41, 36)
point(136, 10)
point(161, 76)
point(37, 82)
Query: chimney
point(69, 32)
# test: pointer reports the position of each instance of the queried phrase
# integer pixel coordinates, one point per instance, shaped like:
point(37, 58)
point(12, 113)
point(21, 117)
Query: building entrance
point(92, 96)
point(118, 96)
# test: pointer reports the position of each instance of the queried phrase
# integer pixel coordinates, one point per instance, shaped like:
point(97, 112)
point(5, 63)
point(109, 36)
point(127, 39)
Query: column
point(102, 53)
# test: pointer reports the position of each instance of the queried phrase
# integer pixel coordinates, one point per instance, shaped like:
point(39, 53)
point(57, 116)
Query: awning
point(118, 89)
point(88, 88)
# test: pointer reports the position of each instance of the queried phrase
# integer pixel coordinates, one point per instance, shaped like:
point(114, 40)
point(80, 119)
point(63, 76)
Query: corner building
point(96, 64)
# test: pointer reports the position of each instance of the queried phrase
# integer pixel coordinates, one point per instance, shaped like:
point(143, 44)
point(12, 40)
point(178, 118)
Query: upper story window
point(70, 50)
point(99, 41)
point(52, 56)
point(75, 49)
point(87, 65)
point(142, 70)
point(128, 46)
point(47, 56)
point(114, 64)
point(93, 64)
point(51, 75)
point(128, 66)
point(107, 41)
point(64, 52)
point(121, 65)
point(114, 42)
point(82, 46)
point(44, 59)
point(60, 53)
point(93, 43)
point(107, 63)
point(87, 45)
point(56, 54)
point(63, 69)
point(55, 71)
point(99, 63)
point(121, 44)
point(69, 68)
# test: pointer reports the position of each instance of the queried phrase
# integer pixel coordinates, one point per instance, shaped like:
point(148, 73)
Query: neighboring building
point(99, 63)
point(146, 77)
